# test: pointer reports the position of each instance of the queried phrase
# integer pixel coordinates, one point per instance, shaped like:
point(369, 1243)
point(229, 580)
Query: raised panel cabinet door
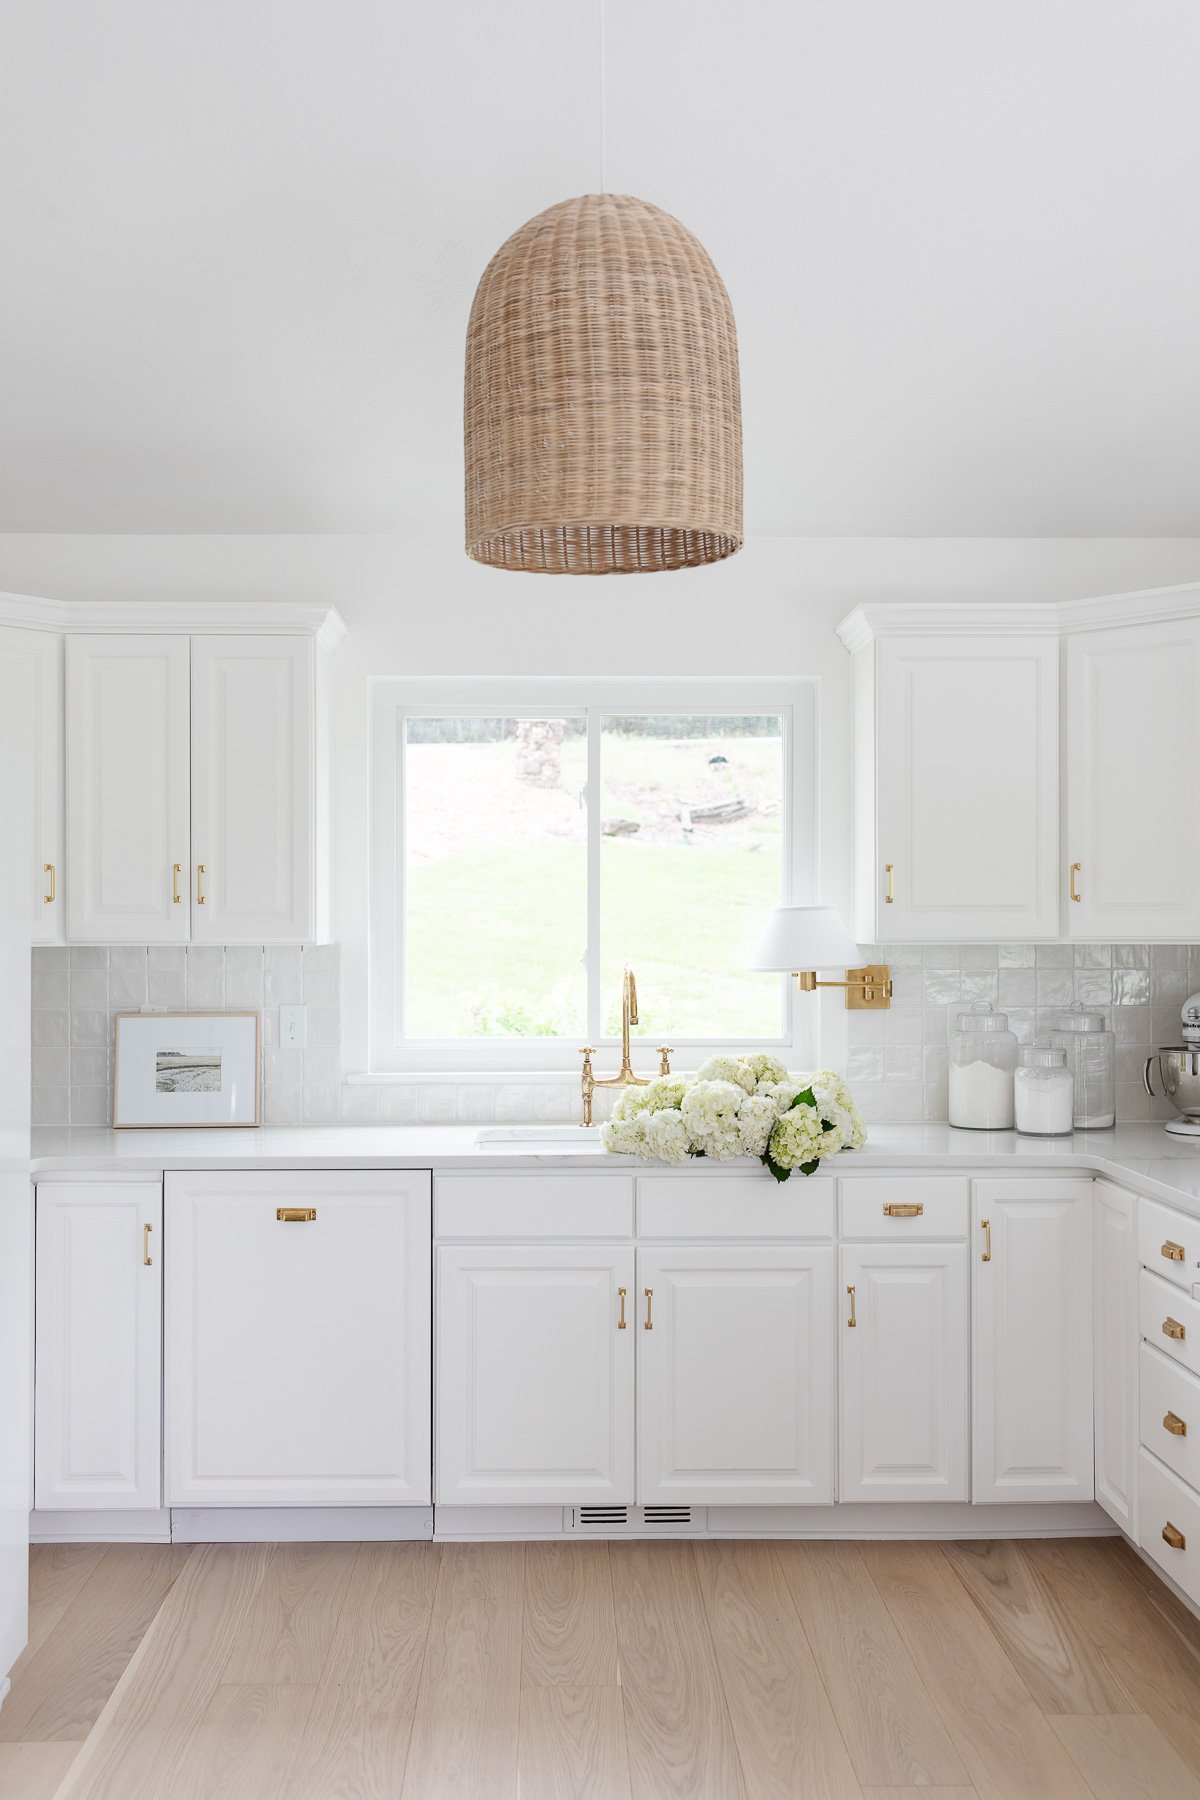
point(298, 1339)
point(967, 788)
point(904, 1382)
point(1032, 1433)
point(737, 1377)
point(128, 830)
point(98, 1345)
point(1115, 1341)
point(31, 721)
point(534, 1374)
point(253, 798)
point(1132, 848)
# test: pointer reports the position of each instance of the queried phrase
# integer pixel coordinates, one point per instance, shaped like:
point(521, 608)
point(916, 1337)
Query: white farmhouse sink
point(538, 1134)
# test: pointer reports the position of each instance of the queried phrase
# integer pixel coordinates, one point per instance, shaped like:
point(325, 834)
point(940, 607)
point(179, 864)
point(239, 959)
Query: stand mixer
point(1179, 1072)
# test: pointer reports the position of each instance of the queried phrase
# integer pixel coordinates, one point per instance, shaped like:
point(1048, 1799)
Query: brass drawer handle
point(852, 1321)
point(889, 899)
point(296, 1215)
point(621, 1321)
point(48, 899)
point(1076, 869)
point(176, 896)
point(1173, 1536)
point(649, 1324)
point(1175, 1425)
point(1173, 1329)
point(147, 1259)
point(985, 1225)
point(1173, 1252)
point(200, 899)
point(894, 1210)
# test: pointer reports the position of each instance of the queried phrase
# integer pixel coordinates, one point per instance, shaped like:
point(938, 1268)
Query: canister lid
point(981, 1018)
point(1043, 1056)
point(1074, 1018)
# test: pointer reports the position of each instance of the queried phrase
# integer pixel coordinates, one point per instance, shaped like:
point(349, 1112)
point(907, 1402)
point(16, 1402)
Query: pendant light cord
point(603, 102)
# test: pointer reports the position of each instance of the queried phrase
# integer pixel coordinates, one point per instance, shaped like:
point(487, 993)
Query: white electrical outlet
point(293, 1027)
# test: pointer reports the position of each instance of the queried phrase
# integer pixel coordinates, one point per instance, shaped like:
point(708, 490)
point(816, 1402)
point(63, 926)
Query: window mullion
point(593, 875)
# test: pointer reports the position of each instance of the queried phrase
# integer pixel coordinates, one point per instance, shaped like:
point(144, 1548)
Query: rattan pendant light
point(602, 414)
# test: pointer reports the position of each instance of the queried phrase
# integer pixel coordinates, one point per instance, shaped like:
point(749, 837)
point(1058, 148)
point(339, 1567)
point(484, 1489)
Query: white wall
point(417, 606)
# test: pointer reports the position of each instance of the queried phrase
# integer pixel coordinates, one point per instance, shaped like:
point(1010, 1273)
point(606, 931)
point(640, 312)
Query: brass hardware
point(621, 1320)
point(892, 1209)
point(1173, 1252)
point(200, 900)
point(296, 1215)
point(889, 899)
point(1173, 1329)
point(649, 1325)
point(625, 1077)
point(147, 1259)
point(176, 896)
point(48, 869)
point(1076, 868)
point(1173, 1536)
point(867, 990)
point(1174, 1424)
point(852, 1321)
point(985, 1225)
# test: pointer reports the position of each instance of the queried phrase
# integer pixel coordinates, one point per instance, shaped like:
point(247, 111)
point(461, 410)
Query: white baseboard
point(492, 1524)
point(145, 1525)
point(300, 1524)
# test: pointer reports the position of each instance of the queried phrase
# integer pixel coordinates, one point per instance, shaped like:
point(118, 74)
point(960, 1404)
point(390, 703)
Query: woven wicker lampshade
point(602, 414)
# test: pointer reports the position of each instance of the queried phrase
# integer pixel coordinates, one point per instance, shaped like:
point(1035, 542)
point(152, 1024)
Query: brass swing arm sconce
point(867, 990)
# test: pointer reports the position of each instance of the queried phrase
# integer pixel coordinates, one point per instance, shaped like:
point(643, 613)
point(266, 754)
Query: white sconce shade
point(805, 937)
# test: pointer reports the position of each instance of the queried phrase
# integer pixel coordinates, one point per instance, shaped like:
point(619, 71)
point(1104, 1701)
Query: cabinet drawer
point(472, 1207)
point(1169, 1505)
point(884, 1208)
point(1169, 1410)
point(1169, 1243)
point(1170, 1320)
point(735, 1206)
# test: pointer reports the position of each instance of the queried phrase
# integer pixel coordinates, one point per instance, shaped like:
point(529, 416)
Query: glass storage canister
point(1092, 1060)
point(983, 1056)
point(1044, 1092)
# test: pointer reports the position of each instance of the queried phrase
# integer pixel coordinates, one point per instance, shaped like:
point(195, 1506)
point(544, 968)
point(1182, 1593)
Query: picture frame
point(187, 1071)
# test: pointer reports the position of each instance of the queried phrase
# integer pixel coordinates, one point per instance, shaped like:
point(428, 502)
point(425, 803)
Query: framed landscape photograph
point(186, 1070)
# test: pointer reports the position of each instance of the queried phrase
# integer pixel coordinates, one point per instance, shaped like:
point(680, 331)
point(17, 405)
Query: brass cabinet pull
point(852, 1321)
point(296, 1215)
point(48, 899)
point(1174, 1424)
point(1076, 869)
point(176, 896)
point(1173, 1329)
point(621, 1320)
point(649, 1325)
point(1173, 1536)
point(889, 899)
point(147, 1259)
point(985, 1225)
point(1173, 1252)
point(200, 900)
point(893, 1209)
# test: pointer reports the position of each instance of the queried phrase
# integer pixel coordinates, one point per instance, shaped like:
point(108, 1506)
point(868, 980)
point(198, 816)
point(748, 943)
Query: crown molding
point(1051, 618)
point(284, 618)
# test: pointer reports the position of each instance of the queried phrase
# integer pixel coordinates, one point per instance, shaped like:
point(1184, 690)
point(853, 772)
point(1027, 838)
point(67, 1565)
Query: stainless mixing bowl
point(1179, 1072)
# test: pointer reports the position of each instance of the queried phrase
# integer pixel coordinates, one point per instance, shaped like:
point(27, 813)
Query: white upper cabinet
point(956, 753)
point(252, 789)
point(128, 833)
point(1132, 841)
point(31, 721)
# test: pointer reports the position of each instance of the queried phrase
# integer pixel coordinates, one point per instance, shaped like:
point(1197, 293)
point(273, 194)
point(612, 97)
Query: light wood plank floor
point(622, 1671)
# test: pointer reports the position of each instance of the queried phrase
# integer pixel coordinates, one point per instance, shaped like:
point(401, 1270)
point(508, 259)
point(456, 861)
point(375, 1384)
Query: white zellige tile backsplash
point(898, 1060)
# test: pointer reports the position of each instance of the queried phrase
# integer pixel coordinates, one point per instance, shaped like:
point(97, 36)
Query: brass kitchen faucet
point(626, 1077)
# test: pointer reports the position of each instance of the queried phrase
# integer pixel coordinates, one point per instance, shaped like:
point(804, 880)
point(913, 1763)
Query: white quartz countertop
point(1144, 1157)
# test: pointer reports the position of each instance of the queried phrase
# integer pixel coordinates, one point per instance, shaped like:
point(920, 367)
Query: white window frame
point(393, 702)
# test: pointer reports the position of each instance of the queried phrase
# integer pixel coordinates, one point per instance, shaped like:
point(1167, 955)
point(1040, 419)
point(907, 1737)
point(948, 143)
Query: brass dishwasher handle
point(893, 1209)
point(176, 896)
point(1076, 869)
point(200, 900)
point(48, 899)
point(985, 1225)
point(296, 1215)
point(649, 1324)
point(889, 869)
point(852, 1321)
point(1173, 1252)
point(1173, 1329)
point(147, 1259)
point(621, 1320)
point(1173, 1536)
point(1174, 1424)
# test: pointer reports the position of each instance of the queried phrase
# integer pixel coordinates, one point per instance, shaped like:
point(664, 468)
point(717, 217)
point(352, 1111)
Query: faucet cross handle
point(664, 1051)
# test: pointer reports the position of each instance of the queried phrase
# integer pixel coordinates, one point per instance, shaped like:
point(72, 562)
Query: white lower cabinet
point(534, 1378)
point(1115, 1350)
point(904, 1391)
point(1032, 1364)
point(298, 1339)
point(98, 1350)
point(736, 1359)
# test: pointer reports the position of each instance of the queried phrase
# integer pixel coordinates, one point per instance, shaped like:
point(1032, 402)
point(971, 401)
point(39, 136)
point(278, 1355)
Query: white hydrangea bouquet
point(738, 1106)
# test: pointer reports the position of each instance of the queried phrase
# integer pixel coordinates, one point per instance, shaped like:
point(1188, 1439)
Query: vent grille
point(636, 1520)
point(668, 1515)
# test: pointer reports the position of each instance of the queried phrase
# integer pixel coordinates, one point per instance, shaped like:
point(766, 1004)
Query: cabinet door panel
point(1115, 1351)
point(127, 789)
point(736, 1380)
point(298, 1350)
point(252, 789)
point(1032, 1412)
point(98, 1358)
point(967, 788)
point(904, 1372)
point(1131, 720)
point(31, 721)
point(535, 1375)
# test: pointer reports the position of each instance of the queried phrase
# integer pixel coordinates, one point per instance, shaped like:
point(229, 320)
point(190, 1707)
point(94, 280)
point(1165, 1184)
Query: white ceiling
point(240, 239)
